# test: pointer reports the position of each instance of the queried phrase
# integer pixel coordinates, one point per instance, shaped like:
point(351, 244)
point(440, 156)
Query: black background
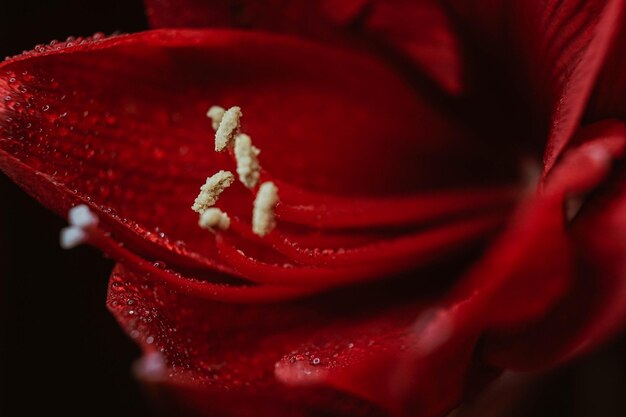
point(63, 353)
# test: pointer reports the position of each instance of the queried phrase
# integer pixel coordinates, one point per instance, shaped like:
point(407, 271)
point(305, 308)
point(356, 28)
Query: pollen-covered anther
point(247, 157)
point(213, 219)
point(211, 190)
point(263, 212)
point(228, 128)
point(216, 113)
point(81, 220)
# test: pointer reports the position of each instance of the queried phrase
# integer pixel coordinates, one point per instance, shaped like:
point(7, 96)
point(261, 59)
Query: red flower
point(411, 262)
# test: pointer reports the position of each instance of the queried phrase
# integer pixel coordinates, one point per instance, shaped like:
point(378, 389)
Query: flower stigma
point(81, 219)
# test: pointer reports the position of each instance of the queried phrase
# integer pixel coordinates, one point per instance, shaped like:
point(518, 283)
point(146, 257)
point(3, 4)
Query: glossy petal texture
point(67, 133)
point(418, 32)
point(609, 96)
point(377, 188)
point(595, 306)
point(519, 280)
point(231, 356)
point(61, 119)
point(552, 50)
point(399, 353)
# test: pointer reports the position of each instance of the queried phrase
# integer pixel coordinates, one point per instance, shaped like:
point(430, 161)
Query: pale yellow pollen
point(214, 218)
point(215, 113)
point(247, 157)
point(263, 212)
point(228, 128)
point(211, 190)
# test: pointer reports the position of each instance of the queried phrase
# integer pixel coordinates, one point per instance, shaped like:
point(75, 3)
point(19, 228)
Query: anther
point(228, 128)
point(216, 113)
point(263, 212)
point(214, 218)
point(81, 219)
point(211, 190)
point(247, 160)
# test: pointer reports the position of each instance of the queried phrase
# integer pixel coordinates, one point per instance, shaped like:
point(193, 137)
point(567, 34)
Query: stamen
point(216, 113)
point(81, 219)
point(228, 128)
point(214, 218)
point(211, 190)
point(247, 160)
point(263, 213)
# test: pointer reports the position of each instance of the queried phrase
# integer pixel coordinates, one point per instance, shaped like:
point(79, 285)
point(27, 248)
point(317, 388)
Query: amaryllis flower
point(413, 197)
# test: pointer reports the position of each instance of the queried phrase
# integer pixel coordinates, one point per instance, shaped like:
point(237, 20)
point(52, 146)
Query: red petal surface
point(418, 31)
point(229, 352)
point(120, 124)
point(559, 48)
point(389, 347)
point(595, 306)
point(520, 279)
point(609, 96)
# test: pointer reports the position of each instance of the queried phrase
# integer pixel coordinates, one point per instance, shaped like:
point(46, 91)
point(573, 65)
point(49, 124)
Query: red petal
point(560, 47)
point(417, 30)
point(520, 279)
point(120, 123)
point(595, 307)
point(374, 346)
point(609, 96)
point(226, 353)
point(422, 31)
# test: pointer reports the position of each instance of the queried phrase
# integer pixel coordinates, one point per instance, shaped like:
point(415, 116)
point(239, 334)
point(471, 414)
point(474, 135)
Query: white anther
point(214, 218)
point(81, 216)
point(247, 157)
point(215, 113)
point(211, 190)
point(263, 212)
point(72, 236)
point(228, 128)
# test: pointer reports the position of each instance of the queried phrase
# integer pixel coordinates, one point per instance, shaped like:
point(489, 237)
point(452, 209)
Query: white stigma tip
point(247, 157)
point(81, 216)
point(211, 190)
point(263, 212)
point(228, 128)
point(214, 218)
point(215, 113)
point(72, 236)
